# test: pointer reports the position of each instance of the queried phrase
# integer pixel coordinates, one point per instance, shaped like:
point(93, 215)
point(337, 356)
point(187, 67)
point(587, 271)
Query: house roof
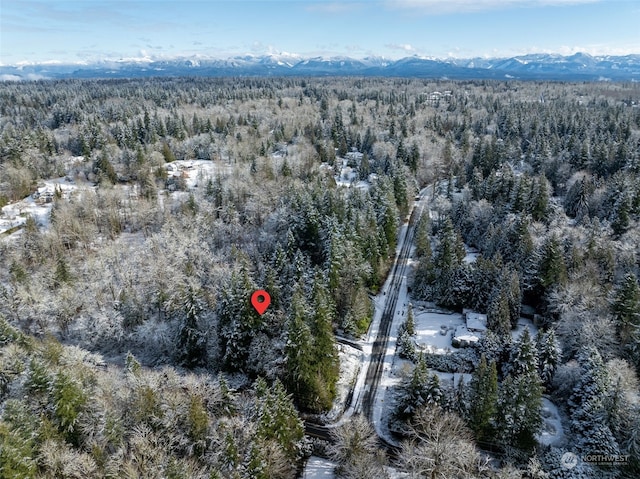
point(476, 321)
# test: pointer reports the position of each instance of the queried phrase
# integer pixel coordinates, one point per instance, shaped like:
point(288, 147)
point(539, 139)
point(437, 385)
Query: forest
point(138, 217)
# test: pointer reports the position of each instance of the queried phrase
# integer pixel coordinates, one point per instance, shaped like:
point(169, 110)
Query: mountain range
point(577, 67)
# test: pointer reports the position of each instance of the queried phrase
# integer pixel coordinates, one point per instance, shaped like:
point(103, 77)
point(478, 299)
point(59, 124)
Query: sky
point(94, 30)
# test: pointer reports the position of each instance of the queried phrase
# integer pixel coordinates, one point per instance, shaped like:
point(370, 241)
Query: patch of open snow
point(350, 364)
point(319, 468)
point(552, 432)
point(430, 324)
point(471, 254)
point(36, 205)
point(195, 172)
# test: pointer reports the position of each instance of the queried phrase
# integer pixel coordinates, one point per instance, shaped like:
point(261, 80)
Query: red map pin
point(261, 301)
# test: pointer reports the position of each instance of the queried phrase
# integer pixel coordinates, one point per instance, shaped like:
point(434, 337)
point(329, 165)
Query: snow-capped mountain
point(579, 66)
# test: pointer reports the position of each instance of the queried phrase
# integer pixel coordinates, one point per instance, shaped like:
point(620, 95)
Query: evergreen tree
point(499, 313)
point(422, 239)
point(191, 344)
point(548, 355)
point(520, 398)
point(540, 199)
point(483, 399)
point(104, 169)
point(406, 346)
point(552, 269)
point(448, 258)
point(312, 366)
point(524, 357)
point(278, 419)
point(626, 307)
point(327, 363)
point(519, 406)
point(420, 390)
point(590, 408)
point(237, 321)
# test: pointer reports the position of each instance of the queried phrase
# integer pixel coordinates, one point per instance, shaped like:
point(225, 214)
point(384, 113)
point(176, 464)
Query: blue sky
point(89, 30)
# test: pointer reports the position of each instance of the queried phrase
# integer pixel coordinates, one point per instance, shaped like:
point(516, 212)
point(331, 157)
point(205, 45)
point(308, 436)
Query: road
point(379, 348)
point(362, 398)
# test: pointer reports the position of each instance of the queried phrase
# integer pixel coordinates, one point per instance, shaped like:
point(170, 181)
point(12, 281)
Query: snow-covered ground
point(318, 468)
point(350, 364)
point(552, 433)
point(429, 322)
point(523, 324)
point(195, 172)
point(429, 325)
point(15, 214)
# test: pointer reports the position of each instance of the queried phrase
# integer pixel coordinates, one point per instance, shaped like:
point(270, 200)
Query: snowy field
point(196, 172)
point(15, 215)
point(429, 327)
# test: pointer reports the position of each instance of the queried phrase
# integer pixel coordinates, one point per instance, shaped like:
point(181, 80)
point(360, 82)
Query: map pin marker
point(261, 301)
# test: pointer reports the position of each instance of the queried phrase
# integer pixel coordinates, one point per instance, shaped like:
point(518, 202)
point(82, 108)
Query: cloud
point(460, 6)
point(400, 46)
point(8, 77)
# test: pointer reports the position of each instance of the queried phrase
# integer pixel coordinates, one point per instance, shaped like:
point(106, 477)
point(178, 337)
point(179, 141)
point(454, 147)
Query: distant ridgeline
point(577, 67)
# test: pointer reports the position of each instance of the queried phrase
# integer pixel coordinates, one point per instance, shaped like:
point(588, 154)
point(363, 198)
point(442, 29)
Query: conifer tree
point(278, 419)
point(326, 356)
point(236, 321)
point(422, 239)
point(191, 344)
point(590, 407)
point(548, 355)
point(524, 356)
point(626, 307)
point(483, 398)
point(498, 313)
point(421, 389)
point(552, 268)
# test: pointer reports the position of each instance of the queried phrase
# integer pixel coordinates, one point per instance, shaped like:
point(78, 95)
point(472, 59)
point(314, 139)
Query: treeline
point(540, 178)
point(549, 200)
point(68, 414)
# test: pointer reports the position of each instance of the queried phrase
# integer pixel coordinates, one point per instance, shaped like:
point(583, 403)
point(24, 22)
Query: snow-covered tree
point(590, 406)
point(626, 308)
point(356, 444)
point(278, 419)
point(191, 342)
point(548, 355)
point(236, 321)
point(439, 446)
point(483, 397)
point(418, 391)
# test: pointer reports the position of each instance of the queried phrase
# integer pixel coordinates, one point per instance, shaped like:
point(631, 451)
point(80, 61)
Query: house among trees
point(476, 322)
point(471, 332)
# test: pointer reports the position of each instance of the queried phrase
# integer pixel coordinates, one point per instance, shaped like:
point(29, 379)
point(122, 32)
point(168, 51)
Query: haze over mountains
point(577, 67)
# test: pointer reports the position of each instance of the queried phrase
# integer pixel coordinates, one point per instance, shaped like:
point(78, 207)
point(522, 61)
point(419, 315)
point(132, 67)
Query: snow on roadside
point(350, 364)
